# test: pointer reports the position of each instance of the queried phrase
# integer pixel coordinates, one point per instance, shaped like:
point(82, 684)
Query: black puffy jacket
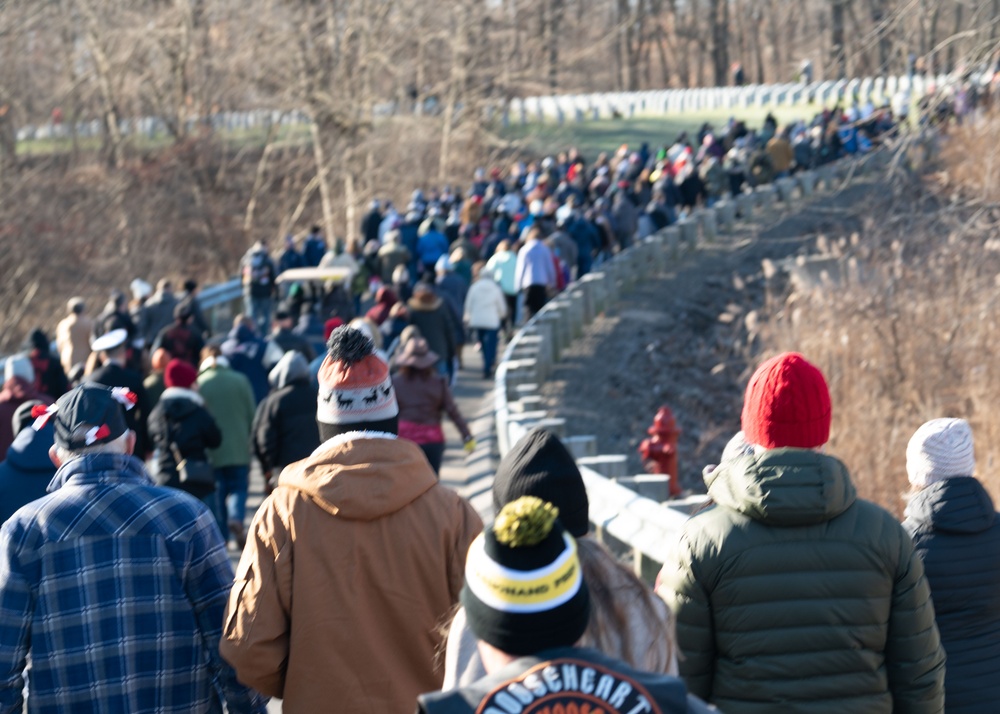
point(284, 428)
point(180, 419)
point(956, 532)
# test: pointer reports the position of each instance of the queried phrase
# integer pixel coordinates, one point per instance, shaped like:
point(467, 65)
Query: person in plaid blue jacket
point(114, 587)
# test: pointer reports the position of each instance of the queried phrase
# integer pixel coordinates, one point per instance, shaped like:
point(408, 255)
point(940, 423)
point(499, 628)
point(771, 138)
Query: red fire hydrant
point(659, 451)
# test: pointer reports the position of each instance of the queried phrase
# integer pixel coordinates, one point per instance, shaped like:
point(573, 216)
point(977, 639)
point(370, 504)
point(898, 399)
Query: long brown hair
point(619, 601)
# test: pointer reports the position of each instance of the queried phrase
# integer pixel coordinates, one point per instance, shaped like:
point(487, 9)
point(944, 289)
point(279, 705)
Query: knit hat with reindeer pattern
point(354, 382)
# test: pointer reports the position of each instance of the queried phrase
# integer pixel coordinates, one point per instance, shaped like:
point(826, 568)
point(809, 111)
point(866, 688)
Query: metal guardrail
point(220, 303)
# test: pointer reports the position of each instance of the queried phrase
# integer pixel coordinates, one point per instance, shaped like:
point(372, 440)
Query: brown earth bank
point(680, 340)
point(903, 335)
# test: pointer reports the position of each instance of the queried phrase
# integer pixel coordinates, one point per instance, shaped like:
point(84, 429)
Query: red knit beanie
point(179, 374)
point(787, 404)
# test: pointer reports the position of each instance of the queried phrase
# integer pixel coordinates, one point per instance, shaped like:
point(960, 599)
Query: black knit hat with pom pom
point(524, 589)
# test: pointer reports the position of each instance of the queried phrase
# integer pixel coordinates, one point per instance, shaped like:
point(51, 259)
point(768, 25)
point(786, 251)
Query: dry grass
point(911, 332)
point(79, 228)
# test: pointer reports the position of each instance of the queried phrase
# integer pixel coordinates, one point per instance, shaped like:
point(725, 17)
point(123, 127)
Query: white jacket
point(485, 304)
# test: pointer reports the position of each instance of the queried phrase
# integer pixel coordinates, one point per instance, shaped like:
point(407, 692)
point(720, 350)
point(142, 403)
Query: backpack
point(258, 274)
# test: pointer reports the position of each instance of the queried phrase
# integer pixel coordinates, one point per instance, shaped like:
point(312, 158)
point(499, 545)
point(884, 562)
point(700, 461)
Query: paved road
point(470, 475)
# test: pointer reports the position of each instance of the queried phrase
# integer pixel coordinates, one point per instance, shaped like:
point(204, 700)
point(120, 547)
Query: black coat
point(956, 532)
point(179, 418)
point(436, 324)
point(284, 428)
point(288, 340)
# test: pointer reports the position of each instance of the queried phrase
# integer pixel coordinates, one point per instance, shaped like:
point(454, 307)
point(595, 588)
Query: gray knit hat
point(940, 449)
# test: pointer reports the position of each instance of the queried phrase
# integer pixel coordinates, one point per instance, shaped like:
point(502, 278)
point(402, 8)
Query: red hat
point(330, 325)
point(179, 374)
point(787, 404)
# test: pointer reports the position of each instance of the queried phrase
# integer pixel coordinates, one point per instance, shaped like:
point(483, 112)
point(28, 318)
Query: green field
point(592, 137)
point(235, 139)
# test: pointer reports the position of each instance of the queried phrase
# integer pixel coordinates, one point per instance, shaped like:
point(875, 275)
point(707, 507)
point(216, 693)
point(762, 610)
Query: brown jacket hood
point(350, 567)
point(359, 478)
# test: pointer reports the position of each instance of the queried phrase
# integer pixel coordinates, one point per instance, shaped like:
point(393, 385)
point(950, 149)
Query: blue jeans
point(232, 483)
point(259, 310)
point(488, 340)
point(434, 454)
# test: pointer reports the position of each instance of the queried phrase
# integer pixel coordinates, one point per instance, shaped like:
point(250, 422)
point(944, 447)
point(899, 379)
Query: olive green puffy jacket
point(791, 595)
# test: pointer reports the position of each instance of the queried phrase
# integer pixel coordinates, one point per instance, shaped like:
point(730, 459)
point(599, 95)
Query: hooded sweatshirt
point(16, 391)
point(247, 354)
point(792, 593)
point(284, 428)
point(229, 399)
point(350, 566)
point(956, 533)
point(27, 470)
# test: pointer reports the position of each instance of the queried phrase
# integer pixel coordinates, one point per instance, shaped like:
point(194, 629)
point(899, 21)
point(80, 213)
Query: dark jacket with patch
point(566, 679)
point(956, 532)
point(793, 595)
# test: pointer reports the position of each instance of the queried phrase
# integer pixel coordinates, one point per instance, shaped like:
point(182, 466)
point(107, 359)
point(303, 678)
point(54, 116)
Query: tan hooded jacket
point(350, 567)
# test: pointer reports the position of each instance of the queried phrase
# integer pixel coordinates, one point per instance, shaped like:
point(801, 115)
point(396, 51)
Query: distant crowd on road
point(529, 231)
point(365, 584)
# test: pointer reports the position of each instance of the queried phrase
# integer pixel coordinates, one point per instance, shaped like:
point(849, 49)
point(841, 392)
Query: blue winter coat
point(431, 246)
point(245, 352)
point(27, 471)
point(956, 531)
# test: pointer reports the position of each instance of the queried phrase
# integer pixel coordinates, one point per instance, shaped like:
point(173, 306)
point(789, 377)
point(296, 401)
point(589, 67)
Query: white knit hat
point(940, 449)
point(18, 366)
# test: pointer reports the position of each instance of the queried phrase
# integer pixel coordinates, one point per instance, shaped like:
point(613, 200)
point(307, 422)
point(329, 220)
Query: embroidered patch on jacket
point(569, 686)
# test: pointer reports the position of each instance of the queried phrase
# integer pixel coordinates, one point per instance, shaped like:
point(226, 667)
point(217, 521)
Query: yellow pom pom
point(525, 522)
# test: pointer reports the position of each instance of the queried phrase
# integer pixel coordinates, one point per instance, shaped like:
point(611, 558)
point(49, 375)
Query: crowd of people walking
point(366, 585)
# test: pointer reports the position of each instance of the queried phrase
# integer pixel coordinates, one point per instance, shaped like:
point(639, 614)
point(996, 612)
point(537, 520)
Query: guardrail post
point(807, 183)
point(563, 323)
point(585, 289)
point(725, 213)
point(581, 446)
point(826, 176)
point(613, 466)
point(672, 237)
point(689, 233)
point(574, 305)
point(786, 189)
point(555, 425)
point(656, 253)
point(709, 229)
point(655, 487)
point(535, 346)
point(597, 283)
point(745, 204)
point(533, 403)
